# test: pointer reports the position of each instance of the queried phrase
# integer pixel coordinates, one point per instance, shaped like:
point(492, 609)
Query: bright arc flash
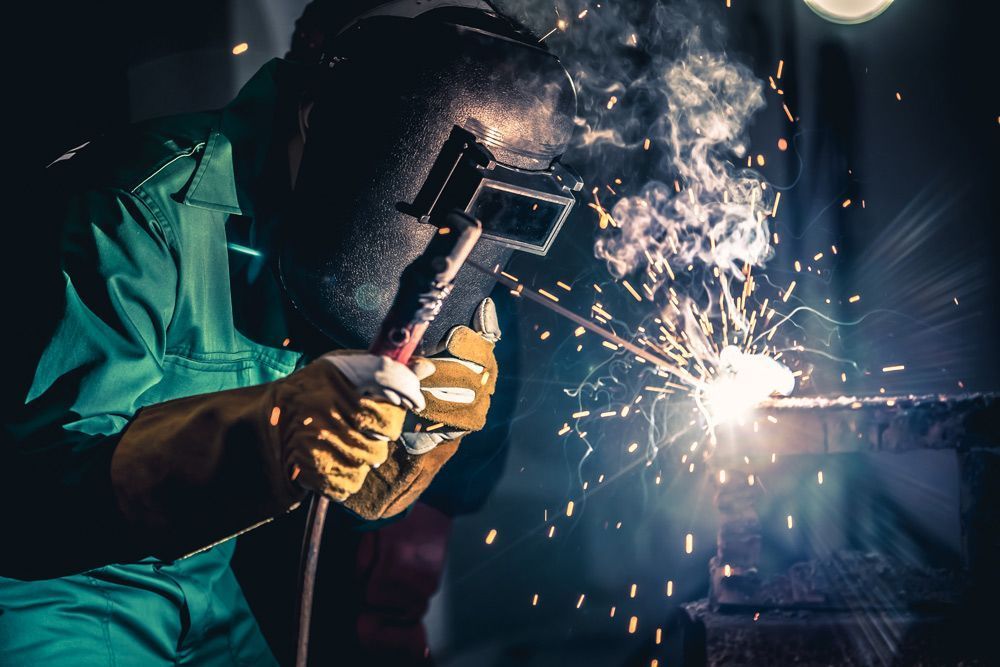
point(744, 382)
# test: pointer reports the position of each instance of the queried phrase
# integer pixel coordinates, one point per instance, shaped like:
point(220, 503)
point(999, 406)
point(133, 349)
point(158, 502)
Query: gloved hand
point(336, 417)
point(191, 472)
point(457, 397)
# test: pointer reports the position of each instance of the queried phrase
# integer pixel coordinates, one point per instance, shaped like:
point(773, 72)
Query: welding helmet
point(422, 108)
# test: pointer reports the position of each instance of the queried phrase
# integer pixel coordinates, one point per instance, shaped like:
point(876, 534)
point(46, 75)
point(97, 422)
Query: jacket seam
point(247, 359)
point(170, 236)
point(106, 620)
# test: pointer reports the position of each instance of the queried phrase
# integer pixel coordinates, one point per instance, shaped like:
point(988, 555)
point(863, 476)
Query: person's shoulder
point(158, 153)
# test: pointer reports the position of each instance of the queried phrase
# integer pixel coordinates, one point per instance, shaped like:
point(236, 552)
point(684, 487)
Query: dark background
point(924, 165)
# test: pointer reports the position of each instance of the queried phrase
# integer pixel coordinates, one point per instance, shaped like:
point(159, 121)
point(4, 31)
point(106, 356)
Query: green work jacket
point(152, 282)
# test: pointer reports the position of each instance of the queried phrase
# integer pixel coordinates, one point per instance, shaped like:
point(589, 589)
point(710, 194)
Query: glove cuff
point(196, 471)
point(396, 484)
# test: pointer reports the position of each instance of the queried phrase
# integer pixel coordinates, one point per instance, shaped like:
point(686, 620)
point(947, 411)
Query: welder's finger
point(377, 376)
point(468, 345)
point(422, 367)
point(485, 321)
point(323, 468)
point(354, 447)
point(374, 416)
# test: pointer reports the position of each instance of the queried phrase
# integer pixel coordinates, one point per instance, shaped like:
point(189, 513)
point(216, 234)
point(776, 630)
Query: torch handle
point(424, 286)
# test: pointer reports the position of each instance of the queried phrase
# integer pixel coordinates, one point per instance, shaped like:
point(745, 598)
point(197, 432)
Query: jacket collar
point(228, 177)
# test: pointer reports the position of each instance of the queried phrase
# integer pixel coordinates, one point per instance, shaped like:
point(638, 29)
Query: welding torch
point(423, 287)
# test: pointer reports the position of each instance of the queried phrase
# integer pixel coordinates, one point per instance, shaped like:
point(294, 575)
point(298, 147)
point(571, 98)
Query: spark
point(548, 34)
point(569, 508)
point(590, 326)
point(579, 603)
point(854, 299)
point(893, 369)
point(788, 292)
point(689, 539)
point(632, 291)
point(242, 47)
point(492, 535)
point(632, 624)
point(275, 415)
point(549, 295)
point(790, 522)
point(534, 600)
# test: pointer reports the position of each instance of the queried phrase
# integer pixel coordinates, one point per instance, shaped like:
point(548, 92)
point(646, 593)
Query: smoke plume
point(654, 80)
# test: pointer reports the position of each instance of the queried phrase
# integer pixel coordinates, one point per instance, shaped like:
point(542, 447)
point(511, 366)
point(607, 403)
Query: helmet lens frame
point(519, 208)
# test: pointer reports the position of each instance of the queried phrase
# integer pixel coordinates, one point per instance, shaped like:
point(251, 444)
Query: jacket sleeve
point(104, 349)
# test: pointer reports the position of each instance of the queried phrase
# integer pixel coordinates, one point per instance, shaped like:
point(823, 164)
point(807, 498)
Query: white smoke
point(690, 100)
point(713, 210)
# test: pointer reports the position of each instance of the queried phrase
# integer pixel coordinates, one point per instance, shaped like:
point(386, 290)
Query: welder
point(217, 276)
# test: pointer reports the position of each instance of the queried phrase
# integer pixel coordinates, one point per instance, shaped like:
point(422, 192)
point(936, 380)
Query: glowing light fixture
point(848, 11)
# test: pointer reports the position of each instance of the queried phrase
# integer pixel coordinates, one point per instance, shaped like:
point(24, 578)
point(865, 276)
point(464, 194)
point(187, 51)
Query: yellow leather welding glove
point(457, 398)
point(339, 420)
point(194, 471)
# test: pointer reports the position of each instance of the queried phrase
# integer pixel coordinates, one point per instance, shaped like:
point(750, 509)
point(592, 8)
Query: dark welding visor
point(520, 208)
